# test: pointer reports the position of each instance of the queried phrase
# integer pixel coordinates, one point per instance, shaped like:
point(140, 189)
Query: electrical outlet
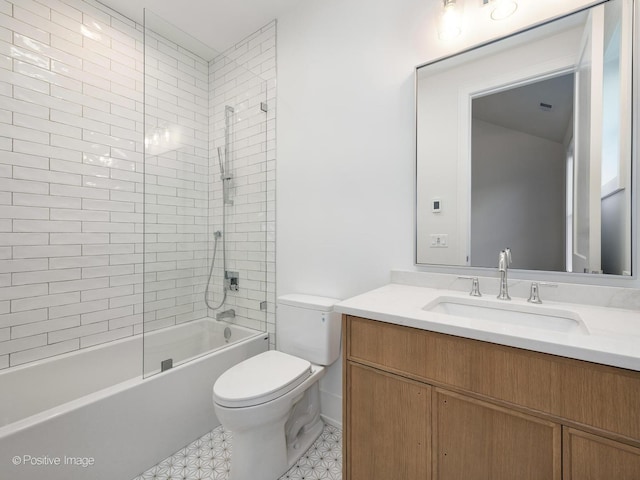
point(439, 240)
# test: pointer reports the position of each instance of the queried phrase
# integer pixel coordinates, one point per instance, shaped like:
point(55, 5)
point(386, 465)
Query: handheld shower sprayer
point(226, 178)
point(220, 163)
point(224, 160)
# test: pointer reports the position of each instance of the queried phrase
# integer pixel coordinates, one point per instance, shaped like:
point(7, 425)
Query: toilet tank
point(307, 327)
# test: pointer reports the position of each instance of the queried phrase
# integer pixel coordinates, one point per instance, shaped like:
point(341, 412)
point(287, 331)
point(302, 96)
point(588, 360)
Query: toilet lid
point(260, 379)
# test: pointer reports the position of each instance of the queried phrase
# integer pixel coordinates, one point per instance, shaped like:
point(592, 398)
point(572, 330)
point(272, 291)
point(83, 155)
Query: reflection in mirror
point(526, 143)
point(519, 143)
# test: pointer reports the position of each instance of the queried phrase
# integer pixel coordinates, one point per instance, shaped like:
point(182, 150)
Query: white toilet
point(271, 402)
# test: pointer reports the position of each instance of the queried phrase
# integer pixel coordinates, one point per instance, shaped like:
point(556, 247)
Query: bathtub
point(91, 415)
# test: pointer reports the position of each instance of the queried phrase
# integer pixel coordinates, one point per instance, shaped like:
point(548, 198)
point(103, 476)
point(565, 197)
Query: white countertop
point(611, 336)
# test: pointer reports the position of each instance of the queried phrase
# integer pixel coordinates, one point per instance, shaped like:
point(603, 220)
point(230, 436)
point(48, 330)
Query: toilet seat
point(260, 379)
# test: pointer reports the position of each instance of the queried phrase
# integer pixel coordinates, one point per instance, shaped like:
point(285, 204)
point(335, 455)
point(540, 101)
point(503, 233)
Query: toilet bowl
point(271, 402)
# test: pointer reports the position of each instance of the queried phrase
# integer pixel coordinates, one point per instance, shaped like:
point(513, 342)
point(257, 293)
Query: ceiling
point(520, 108)
point(219, 24)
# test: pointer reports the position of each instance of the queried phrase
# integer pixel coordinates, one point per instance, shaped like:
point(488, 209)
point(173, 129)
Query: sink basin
point(532, 316)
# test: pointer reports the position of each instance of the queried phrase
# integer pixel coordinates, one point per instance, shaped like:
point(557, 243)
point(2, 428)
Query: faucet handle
point(534, 294)
point(507, 252)
point(475, 286)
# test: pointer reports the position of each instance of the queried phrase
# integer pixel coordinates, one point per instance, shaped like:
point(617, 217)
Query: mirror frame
point(632, 280)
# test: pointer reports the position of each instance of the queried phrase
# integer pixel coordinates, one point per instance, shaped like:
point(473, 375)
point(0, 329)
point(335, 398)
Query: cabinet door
point(474, 440)
point(589, 457)
point(386, 426)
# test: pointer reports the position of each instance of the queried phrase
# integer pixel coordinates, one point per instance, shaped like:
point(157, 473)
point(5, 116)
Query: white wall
point(345, 177)
point(345, 143)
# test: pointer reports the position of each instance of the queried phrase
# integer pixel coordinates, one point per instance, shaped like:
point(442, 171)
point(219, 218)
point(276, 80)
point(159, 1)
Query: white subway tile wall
point(72, 178)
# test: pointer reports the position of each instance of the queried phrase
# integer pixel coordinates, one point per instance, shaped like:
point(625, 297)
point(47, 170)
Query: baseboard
point(331, 421)
point(331, 408)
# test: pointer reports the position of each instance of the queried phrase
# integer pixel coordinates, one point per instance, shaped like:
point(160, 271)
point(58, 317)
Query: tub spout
point(231, 313)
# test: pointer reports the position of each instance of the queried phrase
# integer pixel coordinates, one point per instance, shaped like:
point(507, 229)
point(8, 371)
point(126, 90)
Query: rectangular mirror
point(526, 143)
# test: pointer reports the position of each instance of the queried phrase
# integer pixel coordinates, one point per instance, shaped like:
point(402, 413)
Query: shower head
point(228, 109)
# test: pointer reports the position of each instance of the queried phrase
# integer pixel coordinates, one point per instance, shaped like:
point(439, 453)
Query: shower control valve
point(233, 280)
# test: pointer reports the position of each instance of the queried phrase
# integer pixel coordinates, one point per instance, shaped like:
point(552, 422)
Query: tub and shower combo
point(90, 414)
point(111, 411)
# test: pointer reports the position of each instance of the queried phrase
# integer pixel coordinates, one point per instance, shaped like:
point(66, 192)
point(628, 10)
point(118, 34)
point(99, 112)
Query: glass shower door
point(205, 198)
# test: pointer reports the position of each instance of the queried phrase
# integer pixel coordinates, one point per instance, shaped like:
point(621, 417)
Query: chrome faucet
point(504, 260)
point(231, 313)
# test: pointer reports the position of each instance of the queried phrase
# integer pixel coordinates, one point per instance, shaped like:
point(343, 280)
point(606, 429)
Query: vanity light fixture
point(450, 19)
point(501, 9)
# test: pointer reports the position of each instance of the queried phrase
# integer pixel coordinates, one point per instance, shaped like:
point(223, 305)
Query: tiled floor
point(208, 458)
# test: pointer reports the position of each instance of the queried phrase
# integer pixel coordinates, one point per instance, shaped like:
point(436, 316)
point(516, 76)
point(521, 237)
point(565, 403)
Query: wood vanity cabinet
point(420, 405)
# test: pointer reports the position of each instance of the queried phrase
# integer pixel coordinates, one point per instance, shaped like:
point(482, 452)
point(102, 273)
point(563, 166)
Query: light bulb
point(450, 17)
